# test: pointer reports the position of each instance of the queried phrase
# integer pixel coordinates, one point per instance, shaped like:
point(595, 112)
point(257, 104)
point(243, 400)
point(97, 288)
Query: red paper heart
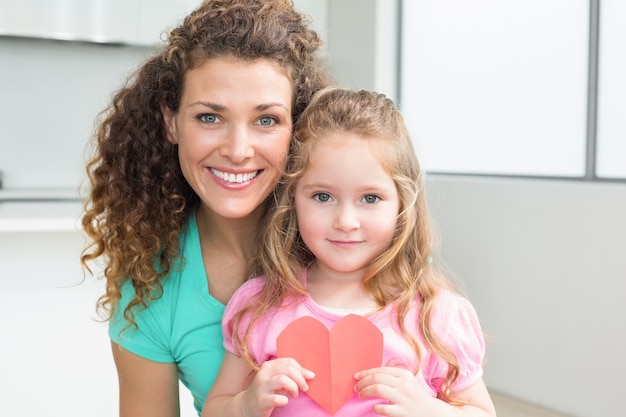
point(353, 344)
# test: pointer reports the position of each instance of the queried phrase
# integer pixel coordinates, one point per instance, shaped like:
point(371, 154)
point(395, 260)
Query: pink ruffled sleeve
point(456, 323)
point(241, 298)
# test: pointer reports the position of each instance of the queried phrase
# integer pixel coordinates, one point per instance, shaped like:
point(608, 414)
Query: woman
point(186, 159)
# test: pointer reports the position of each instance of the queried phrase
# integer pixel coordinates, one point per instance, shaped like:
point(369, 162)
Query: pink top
point(454, 321)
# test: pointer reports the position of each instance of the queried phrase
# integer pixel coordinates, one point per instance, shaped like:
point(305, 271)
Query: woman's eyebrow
point(209, 104)
point(266, 106)
point(219, 107)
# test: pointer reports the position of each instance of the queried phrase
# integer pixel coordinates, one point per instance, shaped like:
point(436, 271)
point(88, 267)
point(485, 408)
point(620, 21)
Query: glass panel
point(611, 134)
point(493, 87)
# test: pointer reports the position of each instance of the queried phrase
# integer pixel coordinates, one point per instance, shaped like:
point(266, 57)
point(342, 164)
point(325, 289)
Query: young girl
point(351, 235)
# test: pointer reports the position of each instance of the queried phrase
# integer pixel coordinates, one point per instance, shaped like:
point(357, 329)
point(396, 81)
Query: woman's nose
point(238, 145)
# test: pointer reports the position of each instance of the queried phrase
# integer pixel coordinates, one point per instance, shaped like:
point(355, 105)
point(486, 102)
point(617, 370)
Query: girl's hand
point(271, 384)
point(399, 387)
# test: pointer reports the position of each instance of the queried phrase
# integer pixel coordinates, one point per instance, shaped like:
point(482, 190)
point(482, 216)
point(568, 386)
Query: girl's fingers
point(287, 374)
point(308, 374)
point(299, 376)
point(285, 384)
point(386, 376)
point(382, 370)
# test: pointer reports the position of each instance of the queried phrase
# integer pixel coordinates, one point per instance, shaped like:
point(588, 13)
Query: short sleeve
point(456, 324)
point(148, 339)
point(240, 299)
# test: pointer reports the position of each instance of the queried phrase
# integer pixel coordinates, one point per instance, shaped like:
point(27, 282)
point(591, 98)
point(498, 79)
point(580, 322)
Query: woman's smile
point(235, 178)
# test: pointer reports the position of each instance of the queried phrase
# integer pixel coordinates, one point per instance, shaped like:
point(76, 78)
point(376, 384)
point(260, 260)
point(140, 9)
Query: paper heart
point(352, 344)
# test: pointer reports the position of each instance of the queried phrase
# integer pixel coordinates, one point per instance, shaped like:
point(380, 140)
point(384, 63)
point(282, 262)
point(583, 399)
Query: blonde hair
point(402, 273)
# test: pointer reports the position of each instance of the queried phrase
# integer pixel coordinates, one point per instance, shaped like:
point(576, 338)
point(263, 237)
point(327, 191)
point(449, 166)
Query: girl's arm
point(408, 398)
point(239, 392)
point(147, 388)
point(477, 398)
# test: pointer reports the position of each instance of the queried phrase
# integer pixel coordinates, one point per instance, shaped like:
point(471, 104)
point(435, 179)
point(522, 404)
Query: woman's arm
point(147, 388)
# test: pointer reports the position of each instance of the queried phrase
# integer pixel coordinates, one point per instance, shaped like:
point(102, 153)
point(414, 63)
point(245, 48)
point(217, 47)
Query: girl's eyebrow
point(315, 185)
point(372, 188)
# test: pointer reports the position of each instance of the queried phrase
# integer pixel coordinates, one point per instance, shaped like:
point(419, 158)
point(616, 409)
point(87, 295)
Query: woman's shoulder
point(176, 290)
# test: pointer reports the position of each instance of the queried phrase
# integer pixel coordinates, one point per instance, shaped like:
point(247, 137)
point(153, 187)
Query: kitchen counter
point(39, 211)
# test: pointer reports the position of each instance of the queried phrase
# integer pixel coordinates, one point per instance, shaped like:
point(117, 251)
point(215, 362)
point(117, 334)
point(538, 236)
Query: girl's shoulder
point(455, 322)
point(450, 299)
point(242, 296)
point(453, 312)
point(252, 286)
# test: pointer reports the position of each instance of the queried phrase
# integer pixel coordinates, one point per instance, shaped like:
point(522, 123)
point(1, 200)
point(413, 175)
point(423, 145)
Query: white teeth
point(239, 178)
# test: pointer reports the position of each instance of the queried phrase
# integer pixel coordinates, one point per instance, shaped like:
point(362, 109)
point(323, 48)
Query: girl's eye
point(370, 199)
point(267, 121)
point(322, 197)
point(209, 118)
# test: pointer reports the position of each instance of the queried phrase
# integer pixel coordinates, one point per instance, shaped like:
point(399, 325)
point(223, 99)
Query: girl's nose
point(346, 218)
point(238, 145)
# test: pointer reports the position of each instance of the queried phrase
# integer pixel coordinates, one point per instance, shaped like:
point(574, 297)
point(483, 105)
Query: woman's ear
point(169, 120)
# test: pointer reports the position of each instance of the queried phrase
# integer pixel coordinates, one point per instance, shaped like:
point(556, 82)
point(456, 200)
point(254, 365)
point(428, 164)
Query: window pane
point(497, 87)
point(611, 134)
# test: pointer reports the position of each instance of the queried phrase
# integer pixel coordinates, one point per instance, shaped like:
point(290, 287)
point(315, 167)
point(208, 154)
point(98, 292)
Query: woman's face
point(233, 129)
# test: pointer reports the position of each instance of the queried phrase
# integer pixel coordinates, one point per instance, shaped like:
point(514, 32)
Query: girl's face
point(346, 204)
point(232, 129)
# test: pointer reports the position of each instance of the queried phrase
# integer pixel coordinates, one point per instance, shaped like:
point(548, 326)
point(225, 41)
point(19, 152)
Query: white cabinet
point(110, 21)
point(135, 22)
point(157, 16)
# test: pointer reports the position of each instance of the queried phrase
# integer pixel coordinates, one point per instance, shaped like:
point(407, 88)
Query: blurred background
point(517, 113)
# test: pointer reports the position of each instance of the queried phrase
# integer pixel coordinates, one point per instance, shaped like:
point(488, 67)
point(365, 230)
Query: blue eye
point(209, 118)
point(322, 197)
point(267, 121)
point(370, 199)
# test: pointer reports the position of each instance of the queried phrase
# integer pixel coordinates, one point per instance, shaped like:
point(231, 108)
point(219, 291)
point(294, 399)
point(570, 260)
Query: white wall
point(51, 94)
point(544, 263)
point(56, 355)
point(363, 44)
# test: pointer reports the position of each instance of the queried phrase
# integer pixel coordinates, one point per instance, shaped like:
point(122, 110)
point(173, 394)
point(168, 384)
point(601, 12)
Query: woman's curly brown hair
point(139, 199)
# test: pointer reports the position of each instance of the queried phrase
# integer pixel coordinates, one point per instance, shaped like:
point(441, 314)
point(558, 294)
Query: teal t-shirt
point(184, 326)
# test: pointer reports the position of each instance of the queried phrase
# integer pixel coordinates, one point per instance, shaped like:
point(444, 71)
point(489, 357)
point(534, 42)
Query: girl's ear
point(169, 120)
